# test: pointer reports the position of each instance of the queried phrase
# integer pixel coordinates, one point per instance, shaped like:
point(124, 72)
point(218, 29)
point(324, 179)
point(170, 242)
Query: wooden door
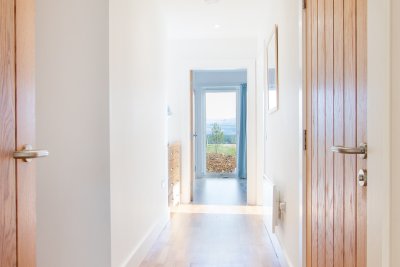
point(17, 120)
point(336, 107)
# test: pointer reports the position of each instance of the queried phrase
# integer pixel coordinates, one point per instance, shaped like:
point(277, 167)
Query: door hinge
point(305, 140)
point(304, 4)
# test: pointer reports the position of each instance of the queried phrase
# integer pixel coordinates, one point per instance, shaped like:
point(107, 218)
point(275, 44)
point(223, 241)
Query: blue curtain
point(242, 150)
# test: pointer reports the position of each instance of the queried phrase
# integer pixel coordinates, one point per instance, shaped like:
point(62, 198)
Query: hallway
point(217, 237)
point(199, 133)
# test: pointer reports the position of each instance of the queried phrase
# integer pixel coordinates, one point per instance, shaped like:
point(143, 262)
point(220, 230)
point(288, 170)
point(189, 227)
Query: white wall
point(395, 223)
point(73, 199)
point(138, 129)
point(282, 127)
point(185, 55)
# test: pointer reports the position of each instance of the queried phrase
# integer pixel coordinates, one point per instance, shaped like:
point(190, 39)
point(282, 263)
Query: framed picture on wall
point(271, 71)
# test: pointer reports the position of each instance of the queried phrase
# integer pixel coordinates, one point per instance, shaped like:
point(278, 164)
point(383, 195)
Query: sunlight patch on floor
point(218, 209)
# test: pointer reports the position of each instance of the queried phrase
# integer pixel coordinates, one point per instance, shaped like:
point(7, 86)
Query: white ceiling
point(223, 19)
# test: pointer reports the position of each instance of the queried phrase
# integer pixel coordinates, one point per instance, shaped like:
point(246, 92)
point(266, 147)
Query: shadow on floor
point(220, 191)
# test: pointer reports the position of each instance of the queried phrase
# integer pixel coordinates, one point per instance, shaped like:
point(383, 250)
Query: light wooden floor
point(220, 191)
point(195, 238)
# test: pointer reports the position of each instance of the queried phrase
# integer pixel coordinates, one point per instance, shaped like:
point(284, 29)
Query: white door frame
point(200, 127)
point(254, 175)
point(379, 133)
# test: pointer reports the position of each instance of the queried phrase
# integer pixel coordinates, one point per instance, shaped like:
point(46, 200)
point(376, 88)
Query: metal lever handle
point(361, 150)
point(27, 154)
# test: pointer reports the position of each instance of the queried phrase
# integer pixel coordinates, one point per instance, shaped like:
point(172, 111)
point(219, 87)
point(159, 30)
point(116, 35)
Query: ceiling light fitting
point(211, 1)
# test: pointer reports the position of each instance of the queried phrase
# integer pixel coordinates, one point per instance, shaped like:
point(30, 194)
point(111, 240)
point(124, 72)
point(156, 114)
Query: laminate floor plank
point(213, 240)
point(220, 191)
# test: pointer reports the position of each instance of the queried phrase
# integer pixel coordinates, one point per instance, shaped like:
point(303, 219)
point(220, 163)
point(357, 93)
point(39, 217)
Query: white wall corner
point(280, 250)
point(139, 253)
point(284, 260)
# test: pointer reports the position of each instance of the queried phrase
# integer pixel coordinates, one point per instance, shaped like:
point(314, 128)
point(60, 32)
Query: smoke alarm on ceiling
point(211, 1)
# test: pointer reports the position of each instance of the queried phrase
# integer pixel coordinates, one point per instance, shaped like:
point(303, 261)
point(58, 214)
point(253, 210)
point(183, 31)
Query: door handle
point(361, 150)
point(28, 153)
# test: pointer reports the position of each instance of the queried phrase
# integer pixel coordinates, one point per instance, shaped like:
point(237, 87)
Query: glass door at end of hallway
point(217, 116)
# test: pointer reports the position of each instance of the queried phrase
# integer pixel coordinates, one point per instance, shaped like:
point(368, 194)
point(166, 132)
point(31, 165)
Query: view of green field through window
point(221, 120)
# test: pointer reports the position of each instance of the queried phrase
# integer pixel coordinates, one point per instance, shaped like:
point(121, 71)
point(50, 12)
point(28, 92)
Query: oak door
point(17, 120)
point(336, 107)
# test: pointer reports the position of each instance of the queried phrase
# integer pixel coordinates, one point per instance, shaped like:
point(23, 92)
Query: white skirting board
point(141, 250)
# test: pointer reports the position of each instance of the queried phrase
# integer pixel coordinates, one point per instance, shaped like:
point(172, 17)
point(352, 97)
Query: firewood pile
point(220, 163)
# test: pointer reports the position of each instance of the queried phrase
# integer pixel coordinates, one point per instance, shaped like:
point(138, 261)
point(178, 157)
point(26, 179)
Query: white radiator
point(271, 204)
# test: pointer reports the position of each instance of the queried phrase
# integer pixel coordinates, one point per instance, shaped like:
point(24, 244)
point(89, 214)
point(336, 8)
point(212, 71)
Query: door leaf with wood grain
point(17, 128)
point(336, 117)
